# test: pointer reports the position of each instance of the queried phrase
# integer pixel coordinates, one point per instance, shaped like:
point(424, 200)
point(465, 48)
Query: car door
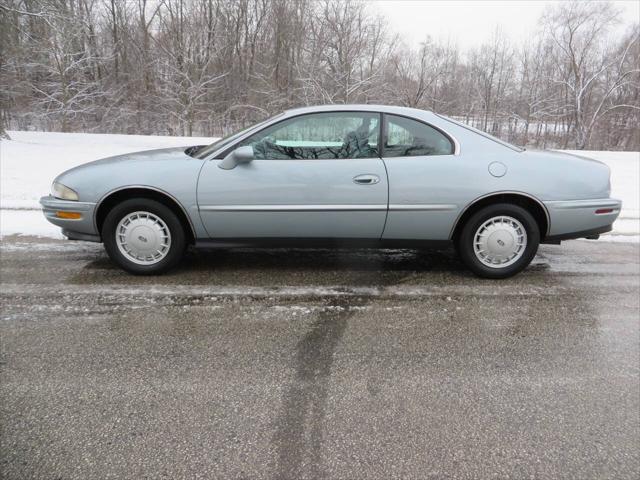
point(316, 175)
point(425, 180)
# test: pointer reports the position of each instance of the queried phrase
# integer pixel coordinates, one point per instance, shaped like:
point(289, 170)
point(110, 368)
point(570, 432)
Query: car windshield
point(218, 144)
point(484, 134)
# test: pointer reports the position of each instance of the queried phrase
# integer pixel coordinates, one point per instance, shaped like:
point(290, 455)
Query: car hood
point(163, 168)
point(160, 154)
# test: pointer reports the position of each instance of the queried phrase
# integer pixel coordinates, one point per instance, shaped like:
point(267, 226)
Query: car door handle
point(366, 179)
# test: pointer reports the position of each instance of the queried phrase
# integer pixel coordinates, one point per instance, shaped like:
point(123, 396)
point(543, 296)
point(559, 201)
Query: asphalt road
point(319, 364)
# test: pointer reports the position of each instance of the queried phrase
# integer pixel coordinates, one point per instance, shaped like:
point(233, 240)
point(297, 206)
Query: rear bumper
point(591, 234)
point(82, 228)
point(581, 218)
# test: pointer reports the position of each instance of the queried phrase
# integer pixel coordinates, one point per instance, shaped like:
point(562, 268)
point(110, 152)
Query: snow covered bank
point(27, 222)
point(625, 185)
point(31, 160)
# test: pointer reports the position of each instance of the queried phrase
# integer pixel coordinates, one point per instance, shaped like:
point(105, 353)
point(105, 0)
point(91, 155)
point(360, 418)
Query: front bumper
point(82, 228)
point(581, 218)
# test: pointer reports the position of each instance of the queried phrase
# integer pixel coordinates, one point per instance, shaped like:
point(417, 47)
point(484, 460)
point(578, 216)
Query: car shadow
point(280, 266)
point(288, 258)
point(286, 266)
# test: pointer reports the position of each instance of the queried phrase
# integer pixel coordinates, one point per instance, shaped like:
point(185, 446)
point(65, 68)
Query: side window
point(319, 136)
point(410, 138)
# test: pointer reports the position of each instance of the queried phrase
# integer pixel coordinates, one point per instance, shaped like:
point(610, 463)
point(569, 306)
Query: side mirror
point(238, 156)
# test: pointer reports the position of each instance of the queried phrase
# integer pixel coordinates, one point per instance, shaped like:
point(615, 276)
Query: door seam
point(386, 217)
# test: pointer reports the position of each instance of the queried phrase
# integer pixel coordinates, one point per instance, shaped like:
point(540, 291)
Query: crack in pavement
point(301, 422)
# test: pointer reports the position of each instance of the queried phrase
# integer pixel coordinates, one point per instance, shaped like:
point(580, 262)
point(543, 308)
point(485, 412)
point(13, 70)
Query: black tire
point(465, 240)
point(178, 236)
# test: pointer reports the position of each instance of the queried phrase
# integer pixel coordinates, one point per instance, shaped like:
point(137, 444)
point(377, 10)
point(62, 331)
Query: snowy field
point(31, 160)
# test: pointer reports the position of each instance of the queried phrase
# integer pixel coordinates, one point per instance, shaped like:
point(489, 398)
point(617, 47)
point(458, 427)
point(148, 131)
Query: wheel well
point(121, 195)
point(532, 206)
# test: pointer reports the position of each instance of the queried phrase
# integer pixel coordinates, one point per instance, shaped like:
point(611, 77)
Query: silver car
point(337, 175)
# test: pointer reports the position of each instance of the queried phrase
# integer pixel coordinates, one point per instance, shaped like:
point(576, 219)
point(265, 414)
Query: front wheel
point(143, 236)
point(499, 241)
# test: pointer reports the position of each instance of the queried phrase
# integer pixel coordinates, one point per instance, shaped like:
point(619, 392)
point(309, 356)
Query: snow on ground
point(31, 160)
point(625, 185)
point(27, 222)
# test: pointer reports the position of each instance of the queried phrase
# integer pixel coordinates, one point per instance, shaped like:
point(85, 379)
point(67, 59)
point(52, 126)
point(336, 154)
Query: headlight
point(63, 192)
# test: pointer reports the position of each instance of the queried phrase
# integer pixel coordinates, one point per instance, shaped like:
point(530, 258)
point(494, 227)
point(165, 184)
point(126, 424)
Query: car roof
point(357, 107)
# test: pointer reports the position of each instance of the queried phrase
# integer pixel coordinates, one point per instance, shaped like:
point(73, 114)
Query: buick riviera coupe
point(341, 175)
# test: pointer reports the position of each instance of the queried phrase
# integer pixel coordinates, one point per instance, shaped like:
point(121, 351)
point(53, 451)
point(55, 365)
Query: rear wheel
point(143, 236)
point(499, 241)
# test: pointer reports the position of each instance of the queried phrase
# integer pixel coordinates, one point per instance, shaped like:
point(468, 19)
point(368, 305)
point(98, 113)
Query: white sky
point(469, 22)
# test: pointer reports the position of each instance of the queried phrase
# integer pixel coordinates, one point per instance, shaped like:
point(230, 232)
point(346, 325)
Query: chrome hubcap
point(143, 238)
point(500, 242)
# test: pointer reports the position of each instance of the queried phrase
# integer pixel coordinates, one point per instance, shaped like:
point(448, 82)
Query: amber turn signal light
point(69, 215)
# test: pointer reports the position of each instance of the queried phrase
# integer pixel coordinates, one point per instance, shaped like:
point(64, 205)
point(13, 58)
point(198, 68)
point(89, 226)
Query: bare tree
point(420, 73)
point(590, 70)
point(210, 66)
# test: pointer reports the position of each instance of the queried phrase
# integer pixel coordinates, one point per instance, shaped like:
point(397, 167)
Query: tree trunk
point(3, 133)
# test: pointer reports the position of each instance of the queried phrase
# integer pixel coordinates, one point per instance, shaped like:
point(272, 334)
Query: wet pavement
point(319, 364)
